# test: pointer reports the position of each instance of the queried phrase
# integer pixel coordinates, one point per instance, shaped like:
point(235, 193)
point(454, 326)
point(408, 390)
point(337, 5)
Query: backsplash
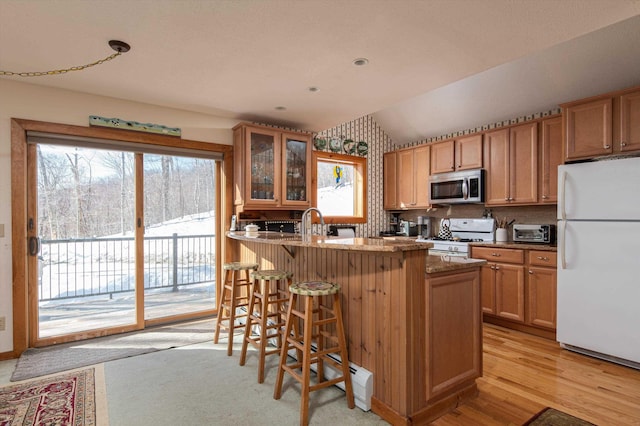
point(521, 214)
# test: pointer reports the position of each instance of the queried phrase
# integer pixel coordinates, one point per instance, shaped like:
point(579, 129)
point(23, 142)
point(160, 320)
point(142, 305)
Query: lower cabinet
point(502, 282)
point(518, 287)
point(542, 291)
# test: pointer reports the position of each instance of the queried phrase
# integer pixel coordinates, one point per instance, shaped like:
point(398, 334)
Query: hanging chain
point(62, 71)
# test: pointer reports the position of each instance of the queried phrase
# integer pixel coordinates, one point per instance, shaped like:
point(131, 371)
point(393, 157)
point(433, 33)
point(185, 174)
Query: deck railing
point(97, 266)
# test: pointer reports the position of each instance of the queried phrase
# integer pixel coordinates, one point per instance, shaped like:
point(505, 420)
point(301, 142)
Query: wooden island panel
point(424, 360)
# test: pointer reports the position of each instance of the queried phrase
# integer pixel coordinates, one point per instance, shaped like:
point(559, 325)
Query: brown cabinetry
point(459, 154)
point(390, 185)
point(541, 293)
point(603, 125)
point(512, 298)
point(271, 168)
point(550, 159)
point(502, 282)
point(411, 175)
point(511, 160)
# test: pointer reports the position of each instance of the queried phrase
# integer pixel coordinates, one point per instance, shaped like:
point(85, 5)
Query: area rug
point(65, 399)
point(38, 362)
point(552, 417)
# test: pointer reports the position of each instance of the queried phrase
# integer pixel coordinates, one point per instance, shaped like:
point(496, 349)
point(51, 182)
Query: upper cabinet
point(271, 168)
point(511, 160)
point(550, 159)
point(406, 172)
point(459, 154)
point(390, 196)
point(603, 125)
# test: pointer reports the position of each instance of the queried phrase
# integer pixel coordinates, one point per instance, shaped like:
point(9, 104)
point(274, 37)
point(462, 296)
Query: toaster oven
point(543, 234)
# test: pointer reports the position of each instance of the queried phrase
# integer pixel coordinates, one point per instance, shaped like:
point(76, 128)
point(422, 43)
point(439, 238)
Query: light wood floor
point(524, 374)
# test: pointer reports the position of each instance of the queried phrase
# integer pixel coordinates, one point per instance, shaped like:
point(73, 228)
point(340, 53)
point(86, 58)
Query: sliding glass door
point(179, 240)
point(123, 240)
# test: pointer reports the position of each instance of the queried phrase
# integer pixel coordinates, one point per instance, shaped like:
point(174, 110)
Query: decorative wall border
point(482, 128)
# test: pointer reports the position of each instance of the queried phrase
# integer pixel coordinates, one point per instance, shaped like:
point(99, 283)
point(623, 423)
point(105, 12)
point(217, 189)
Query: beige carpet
point(38, 362)
point(201, 385)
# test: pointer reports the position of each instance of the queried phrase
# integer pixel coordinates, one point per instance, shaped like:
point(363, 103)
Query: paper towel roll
point(346, 232)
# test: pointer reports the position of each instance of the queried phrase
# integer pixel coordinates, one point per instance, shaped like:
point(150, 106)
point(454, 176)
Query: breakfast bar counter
point(412, 320)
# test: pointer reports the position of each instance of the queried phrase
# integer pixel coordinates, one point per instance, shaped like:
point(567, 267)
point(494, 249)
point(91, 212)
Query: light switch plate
point(3, 323)
point(1, 230)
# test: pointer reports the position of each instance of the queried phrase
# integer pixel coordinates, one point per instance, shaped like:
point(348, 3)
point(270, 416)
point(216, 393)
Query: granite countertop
point(523, 246)
point(446, 263)
point(337, 243)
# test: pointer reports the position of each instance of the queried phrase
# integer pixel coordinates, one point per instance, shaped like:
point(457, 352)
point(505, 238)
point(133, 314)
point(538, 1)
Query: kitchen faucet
point(304, 230)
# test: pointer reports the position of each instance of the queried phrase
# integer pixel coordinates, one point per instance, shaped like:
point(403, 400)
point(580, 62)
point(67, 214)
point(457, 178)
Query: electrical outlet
point(2, 323)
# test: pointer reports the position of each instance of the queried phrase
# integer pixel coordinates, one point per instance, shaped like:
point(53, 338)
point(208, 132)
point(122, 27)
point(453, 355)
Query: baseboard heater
point(361, 378)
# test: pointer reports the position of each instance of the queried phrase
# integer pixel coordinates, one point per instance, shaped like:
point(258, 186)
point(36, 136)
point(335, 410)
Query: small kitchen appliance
point(463, 231)
point(408, 228)
point(543, 234)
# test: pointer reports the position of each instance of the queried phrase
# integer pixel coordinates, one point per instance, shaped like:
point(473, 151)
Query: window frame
point(360, 185)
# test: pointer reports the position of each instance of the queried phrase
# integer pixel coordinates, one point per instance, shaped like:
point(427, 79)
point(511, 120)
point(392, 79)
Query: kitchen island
point(411, 319)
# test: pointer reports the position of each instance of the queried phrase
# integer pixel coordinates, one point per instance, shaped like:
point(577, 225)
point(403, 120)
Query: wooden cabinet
point(603, 125)
point(542, 289)
point(502, 282)
point(271, 168)
point(411, 176)
point(512, 298)
point(459, 154)
point(511, 160)
point(550, 159)
point(390, 185)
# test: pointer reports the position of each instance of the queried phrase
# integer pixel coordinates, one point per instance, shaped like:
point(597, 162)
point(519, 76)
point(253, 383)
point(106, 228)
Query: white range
point(463, 231)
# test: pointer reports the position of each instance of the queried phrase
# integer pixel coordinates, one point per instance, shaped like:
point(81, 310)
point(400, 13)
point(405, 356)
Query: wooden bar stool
point(267, 312)
point(232, 298)
point(311, 290)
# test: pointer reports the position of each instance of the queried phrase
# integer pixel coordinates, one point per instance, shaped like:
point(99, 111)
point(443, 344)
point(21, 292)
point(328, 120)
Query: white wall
point(30, 101)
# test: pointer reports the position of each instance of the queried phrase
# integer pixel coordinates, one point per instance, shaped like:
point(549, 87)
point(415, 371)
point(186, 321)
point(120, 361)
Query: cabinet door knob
point(544, 197)
point(531, 272)
point(506, 199)
point(497, 267)
point(546, 259)
point(607, 146)
point(623, 143)
point(495, 254)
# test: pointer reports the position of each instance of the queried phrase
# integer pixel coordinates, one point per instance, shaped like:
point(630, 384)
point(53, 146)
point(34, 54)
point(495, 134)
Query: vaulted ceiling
point(434, 66)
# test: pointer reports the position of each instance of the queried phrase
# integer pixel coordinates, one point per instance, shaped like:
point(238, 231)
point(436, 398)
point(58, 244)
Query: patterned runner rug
point(551, 416)
point(64, 399)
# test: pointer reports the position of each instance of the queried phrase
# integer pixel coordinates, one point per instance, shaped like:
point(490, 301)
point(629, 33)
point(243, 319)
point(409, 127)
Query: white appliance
point(599, 259)
point(463, 231)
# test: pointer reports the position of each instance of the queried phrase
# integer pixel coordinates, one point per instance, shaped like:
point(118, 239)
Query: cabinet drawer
point(543, 258)
point(493, 254)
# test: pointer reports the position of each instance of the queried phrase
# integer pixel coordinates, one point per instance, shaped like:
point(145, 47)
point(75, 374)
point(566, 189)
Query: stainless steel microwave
point(465, 186)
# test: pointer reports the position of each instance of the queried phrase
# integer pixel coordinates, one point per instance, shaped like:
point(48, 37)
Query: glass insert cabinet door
point(264, 152)
point(295, 179)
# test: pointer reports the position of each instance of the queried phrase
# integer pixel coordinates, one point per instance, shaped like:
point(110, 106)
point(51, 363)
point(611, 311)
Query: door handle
point(465, 188)
point(34, 246)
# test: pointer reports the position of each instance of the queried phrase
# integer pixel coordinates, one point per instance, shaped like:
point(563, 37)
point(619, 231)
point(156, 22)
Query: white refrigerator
point(599, 259)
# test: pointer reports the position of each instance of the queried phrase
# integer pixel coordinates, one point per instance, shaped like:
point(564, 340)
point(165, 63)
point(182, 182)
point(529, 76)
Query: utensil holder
point(501, 235)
